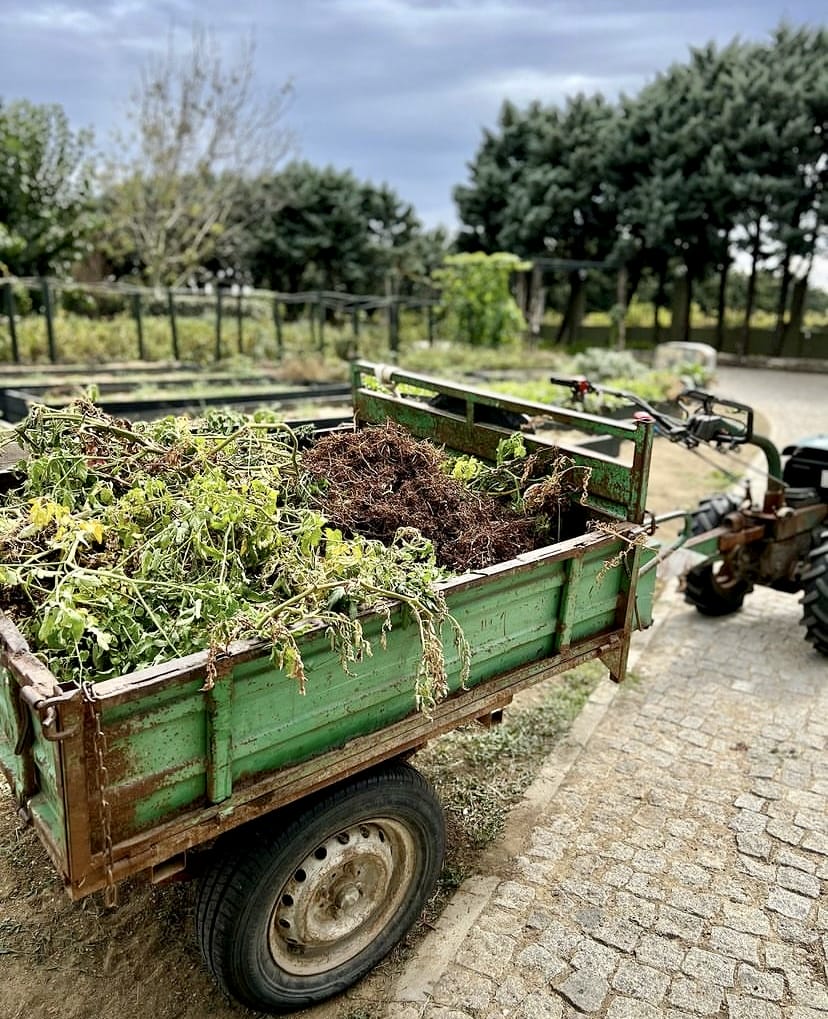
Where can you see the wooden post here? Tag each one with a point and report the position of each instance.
(320, 312)
(621, 302)
(394, 327)
(139, 325)
(431, 325)
(50, 324)
(277, 321)
(239, 325)
(173, 325)
(355, 322)
(218, 324)
(9, 296)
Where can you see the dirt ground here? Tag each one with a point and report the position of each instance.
(140, 959)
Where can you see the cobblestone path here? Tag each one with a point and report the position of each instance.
(681, 868)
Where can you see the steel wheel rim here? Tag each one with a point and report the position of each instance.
(341, 896)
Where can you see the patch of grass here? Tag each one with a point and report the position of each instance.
(481, 773)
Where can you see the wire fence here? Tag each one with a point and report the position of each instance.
(53, 320)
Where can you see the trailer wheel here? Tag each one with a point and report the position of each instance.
(815, 597)
(714, 592)
(304, 904)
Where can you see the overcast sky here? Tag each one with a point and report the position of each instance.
(396, 90)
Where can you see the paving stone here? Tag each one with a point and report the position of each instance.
(709, 966)
(645, 886)
(747, 801)
(621, 934)
(695, 902)
(662, 953)
(741, 1007)
(487, 953)
(747, 919)
(643, 982)
(632, 1008)
(690, 874)
(650, 862)
(461, 988)
(539, 1005)
(762, 871)
(789, 903)
(760, 985)
(559, 939)
(816, 842)
(811, 821)
(735, 944)
(618, 876)
(640, 911)
(536, 957)
(786, 858)
(804, 990)
(754, 845)
(678, 924)
(749, 821)
(698, 998)
(594, 957)
(513, 895)
(785, 832)
(512, 991)
(585, 990)
(438, 1012)
(797, 881)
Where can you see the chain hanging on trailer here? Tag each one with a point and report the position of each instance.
(104, 806)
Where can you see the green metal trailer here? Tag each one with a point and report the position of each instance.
(324, 843)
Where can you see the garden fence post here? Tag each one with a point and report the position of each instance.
(239, 325)
(139, 325)
(277, 321)
(394, 326)
(431, 325)
(320, 313)
(218, 324)
(9, 300)
(173, 325)
(48, 315)
(355, 321)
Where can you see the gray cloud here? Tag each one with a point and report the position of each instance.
(397, 90)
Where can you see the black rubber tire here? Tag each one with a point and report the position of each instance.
(711, 512)
(362, 857)
(815, 596)
(705, 588)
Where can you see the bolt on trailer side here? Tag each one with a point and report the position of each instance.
(130, 773)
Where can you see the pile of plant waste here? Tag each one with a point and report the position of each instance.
(124, 545)
(381, 479)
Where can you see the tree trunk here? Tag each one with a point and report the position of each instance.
(571, 323)
(537, 303)
(522, 294)
(721, 304)
(793, 330)
(659, 301)
(781, 305)
(621, 303)
(755, 251)
(680, 312)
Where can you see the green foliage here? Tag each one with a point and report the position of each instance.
(330, 231)
(724, 151)
(128, 546)
(475, 298)
(45, 204)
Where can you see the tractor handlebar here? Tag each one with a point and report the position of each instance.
(708, 418)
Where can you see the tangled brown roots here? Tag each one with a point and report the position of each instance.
(380, 479)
